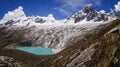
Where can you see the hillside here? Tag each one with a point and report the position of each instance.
(87, 38)
(98, 49)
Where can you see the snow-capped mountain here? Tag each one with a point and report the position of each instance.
(89, 13)
(17, 17)
(56, 34)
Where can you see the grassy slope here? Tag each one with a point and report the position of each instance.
(106, 50)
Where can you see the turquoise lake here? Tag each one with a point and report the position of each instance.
(37, 50)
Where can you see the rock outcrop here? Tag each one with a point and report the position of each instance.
(9, 62)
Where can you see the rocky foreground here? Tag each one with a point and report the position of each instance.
(9, 62)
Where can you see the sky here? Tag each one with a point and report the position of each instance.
(59, 8)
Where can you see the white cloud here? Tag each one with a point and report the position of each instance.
(63, 11)
(117, 6)
(68, 6)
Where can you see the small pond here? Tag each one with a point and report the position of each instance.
(37, 50)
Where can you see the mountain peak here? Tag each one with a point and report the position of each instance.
(88, 5)
(88, 8)
(89, 13)
(20, 8)
(14, 15)
(51, 17)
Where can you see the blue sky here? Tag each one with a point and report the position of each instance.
(59, 8)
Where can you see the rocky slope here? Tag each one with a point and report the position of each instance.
(100, 49)
(85, 39)
(9, 62)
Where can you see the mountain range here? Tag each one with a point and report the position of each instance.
(76, 40)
